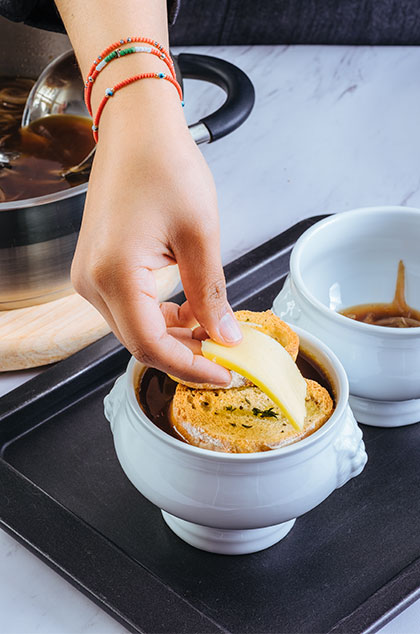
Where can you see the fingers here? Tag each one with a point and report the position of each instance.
(205, 288)
(159, 336)
(200, 334)
(178, 316)
(96, 300)
(142, 325)
(185, 336)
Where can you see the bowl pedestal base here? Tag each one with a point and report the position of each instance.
(385, 413)
(227, 541)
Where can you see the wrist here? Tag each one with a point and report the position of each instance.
(149, 100)
(93, 25)
(125, 67)
(145, 113)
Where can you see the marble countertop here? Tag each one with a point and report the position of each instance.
(333, 128)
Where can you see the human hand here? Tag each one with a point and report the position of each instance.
(152, 202)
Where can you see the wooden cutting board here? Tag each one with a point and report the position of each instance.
(43, 334)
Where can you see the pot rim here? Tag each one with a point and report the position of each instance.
(331, 315)
(36, 201)
(338, 415)
(63, 194)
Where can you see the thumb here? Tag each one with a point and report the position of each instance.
(204, 284)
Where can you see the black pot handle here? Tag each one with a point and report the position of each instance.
(237, 86)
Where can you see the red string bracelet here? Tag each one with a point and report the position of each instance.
(162, 53)
(110, 92)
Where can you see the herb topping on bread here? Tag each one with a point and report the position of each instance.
(243, 420)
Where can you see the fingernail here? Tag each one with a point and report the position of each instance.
(229, 329)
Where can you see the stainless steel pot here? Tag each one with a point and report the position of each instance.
(38, 236)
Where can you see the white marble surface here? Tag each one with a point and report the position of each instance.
(333, 128)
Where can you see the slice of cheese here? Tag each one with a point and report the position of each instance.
(266, 363)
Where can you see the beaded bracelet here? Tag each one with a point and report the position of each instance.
(110, 92)
(129, 40)
(111, 53)
(121, 53)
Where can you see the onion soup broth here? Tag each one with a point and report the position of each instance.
(395, 314)
(41, 152)
(156, 390)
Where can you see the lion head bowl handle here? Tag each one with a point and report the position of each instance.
(350, 450)
(113, 400)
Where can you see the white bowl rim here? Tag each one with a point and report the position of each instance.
(260, 456)
(372, 329)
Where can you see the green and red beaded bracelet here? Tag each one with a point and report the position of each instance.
(114, 52)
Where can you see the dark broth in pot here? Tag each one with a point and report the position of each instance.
(156, 390)
(42, 151)
(395, 314)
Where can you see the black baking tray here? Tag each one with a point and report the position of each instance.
(347, 566)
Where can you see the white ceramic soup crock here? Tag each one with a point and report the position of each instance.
(235, 503)
(348, 259)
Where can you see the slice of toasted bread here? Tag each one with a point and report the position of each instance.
(271, 325)
(243, 420)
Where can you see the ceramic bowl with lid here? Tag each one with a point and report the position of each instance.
(348, 259)
(236, 503)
